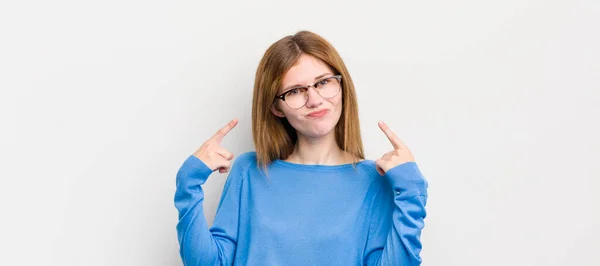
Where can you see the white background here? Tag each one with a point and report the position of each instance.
(102, 101)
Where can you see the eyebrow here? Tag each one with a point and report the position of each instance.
(300, 85)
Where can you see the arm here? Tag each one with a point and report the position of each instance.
(198, 244)
(396, 240)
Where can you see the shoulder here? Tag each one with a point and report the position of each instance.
(246, 157)
(370, 169)
(377, 183)
(243, 161)
(368, 165)
(239, 170)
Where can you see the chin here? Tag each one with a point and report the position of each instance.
(318, 133)
(318, 129)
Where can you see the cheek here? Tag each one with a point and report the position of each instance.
(337, 103)
(293, 116)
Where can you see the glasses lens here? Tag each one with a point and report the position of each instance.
(328, 87)
(296, 98)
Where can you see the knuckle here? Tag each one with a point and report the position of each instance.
(207, 145)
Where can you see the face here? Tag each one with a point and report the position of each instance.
(305, 120)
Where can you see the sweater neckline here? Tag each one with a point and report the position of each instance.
(318, 167)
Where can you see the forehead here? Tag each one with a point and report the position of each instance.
(304, 71)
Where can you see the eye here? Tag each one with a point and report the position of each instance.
(293, 91)
(323, 81)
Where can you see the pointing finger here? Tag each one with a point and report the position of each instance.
(224, 130)
(396, 142)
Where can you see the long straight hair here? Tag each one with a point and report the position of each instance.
(274, 137)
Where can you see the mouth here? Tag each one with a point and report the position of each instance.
(318, 114)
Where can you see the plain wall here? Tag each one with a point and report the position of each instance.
(102, 101)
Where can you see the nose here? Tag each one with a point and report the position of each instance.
(314, 99)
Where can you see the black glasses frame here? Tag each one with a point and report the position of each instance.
(315, 85)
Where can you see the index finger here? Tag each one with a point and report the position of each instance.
(396, 142)
(224, 130)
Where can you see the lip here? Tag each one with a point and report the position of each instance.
(319, 114)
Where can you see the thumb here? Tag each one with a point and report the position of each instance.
(222, 165)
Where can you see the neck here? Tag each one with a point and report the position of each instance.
(323, 150)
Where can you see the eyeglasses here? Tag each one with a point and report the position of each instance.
(297, 97)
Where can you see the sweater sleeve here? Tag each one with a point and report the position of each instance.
(199, 245)
(395, 239)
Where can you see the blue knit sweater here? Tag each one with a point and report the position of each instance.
(303, 214)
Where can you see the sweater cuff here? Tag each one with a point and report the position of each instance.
(196, 169)
(407, 177)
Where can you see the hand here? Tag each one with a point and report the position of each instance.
(212, 154)
(401, 154)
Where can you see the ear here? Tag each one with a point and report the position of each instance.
(276, 111)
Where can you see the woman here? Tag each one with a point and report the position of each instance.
(306, 196)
